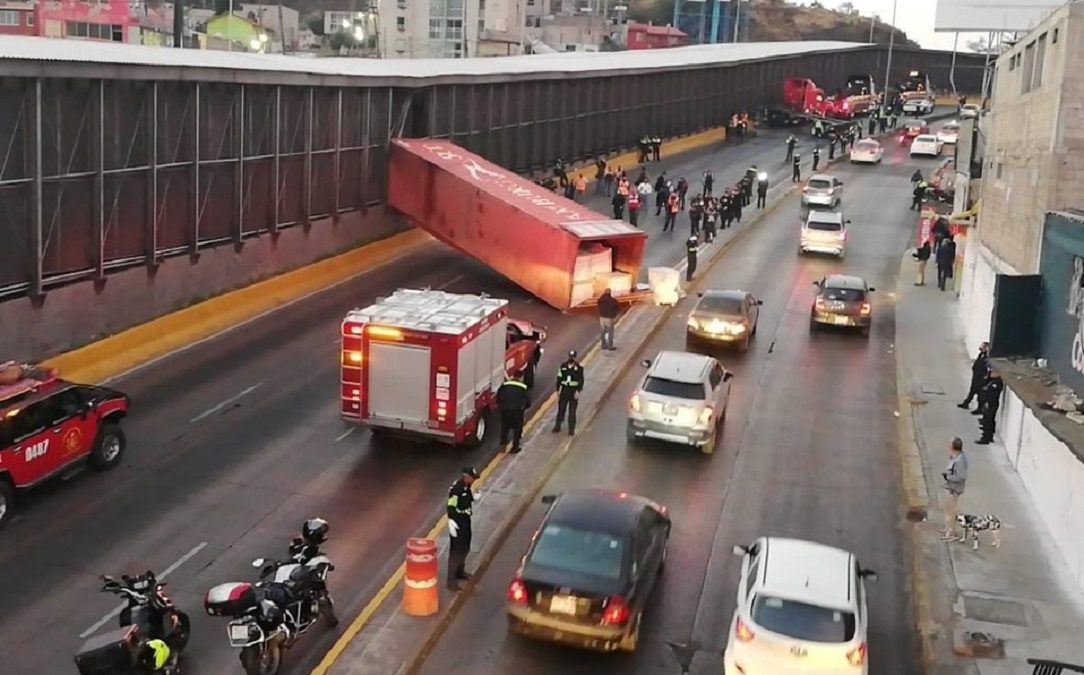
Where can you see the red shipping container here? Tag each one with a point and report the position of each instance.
(520, 229)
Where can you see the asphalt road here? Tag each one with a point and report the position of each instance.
(234, 442)
(808, 451)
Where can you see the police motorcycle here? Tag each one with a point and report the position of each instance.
(268, 617)
(149, 623)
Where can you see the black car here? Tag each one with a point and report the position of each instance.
(589, 570)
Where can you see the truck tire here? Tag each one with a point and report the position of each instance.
(108, 447)
(481, 428)
(7, 500)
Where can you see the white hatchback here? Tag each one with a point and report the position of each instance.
(926, 144)
(949, 133)
(801, 608)
(867, 151)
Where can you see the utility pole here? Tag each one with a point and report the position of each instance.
(178, 24)
(891, 44)
(872, 20)
(737, 19)
(229, 29)
(282, 29)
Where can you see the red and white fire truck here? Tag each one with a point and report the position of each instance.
(428, 363)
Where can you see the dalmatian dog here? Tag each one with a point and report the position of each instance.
(972, 525)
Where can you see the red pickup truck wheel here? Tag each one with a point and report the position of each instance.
(108, 447)
(7, 500)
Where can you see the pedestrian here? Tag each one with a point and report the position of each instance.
(569, 386)
(581, 187)
(642, 178)
(989, 403)
(608, 182)
(762, 189)
(921, 256)
(818, 129)
(673, 202)
(661, 193)
(722, 209)
(656, 148)
(816, 158)
(735, 206)
(645, 148)
(872, 125)
(946, 261)
(460, 507)
(955, 476)
(745, 190)
(883, 120)
(732, 128)
(917, 195)
(512, 402)
(796, 169)
(791, 143)
(696, 213)
(608, 309)
(916, 178)
(600, 175)
(618, 203)
(682, 190)
(831, 147)
(710, 218)
(570, 190)
(743, 127)
(690, 257)
(709, 182)
(980, 373)
(941, 232)
(752, 173)
(633, 204)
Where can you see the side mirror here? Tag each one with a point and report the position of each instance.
(728, 377)
(870, 575)
(871, 289)
(549, 499)
(646, 363)
(846, 222)
(258, 562)
(760, 302)
(816, 283)
(741, 551)
(700, 294)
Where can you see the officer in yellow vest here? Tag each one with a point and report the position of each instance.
(512, 401)
(154, 656)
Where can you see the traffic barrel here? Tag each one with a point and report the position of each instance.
(420, 596)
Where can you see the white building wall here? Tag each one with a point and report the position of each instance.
(977, 283)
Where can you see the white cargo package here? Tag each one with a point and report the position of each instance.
(619, 283)
(582, 291)
(665, 283)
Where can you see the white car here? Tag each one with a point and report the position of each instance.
(822, 190)
(926, 144)
(824, 232)
(801, 608)
(867, 151)
(949, 133)
(918, 106)
(970, 110)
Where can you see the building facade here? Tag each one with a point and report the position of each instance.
(17, 18)
(647, 36)
(1034, 161)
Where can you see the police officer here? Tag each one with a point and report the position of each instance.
(791, 143)
(816, 157)
(735, 206)
(696, 212)
(762, 190)
(460, 508)
(513, 401)
(796, 169)
(918, 194)
(569, 386)
(750, 179)
(154, 656)
(832, 140)
(690, 251)
(989, 402)
(725, 210)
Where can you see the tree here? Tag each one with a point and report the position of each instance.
(342, 39)
(847, 8)
(980, 46)
(222, 7)
(315, 23)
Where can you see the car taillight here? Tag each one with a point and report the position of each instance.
(616, 612)
(706, 414)
(866, 308)
(742, 632)
(517, 592)
(857, 656)
(634, 403)
(820, 303)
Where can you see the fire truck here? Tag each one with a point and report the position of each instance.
(915, 86)
(861, 94)
(427, 364)
(48, 426)
(804, 100)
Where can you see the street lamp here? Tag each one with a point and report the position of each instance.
(891, 43)
(872, 20)
(737, 18)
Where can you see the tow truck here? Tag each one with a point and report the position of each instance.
(916, 87)
(803, 101)
(861, 94)
(49, 426)
(427, 364)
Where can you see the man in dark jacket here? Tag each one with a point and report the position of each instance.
(980, 373)
(569, 386)
(661, 193)
(762, 191)
(989, 402)
(917, 194)
(608, 309)
(682, 190)
(696, 212)
(921, 256)
(816, 158)
(690, 254)
(513, 401)
(946, 261)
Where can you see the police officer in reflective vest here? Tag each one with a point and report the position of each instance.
(512, 401)
(154, 656)
(460, 508)
(569, 386)
(690, 254)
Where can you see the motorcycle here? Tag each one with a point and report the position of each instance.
(268, 617)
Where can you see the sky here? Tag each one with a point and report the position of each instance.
(914, 17)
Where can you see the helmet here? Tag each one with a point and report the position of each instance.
(572, 354)
(315, 530)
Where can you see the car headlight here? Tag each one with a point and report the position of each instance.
(693, 323)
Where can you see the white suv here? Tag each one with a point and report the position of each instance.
(801, 607)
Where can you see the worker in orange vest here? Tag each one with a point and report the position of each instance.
(634, 207)
(581, 186)
(673, 205)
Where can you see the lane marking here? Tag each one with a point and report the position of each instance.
(231, 400)
(345, 434)
(165, 573)
(449, 282)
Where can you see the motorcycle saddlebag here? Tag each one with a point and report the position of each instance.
(230, 599)
(112, 653)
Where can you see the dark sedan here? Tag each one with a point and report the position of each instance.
(589, 570)
(724, 317)
(842, 300)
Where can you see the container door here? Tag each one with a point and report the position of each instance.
(466, 376)
(399, 382)
(499, 347)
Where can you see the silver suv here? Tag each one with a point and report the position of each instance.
(681, 399)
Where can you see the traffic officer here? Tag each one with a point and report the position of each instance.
(762, 190)
(796, 169)
(735, 206)
(751, 177)
(832, 146)
(690, 251)
(696, 212)
(918, 194)
(513, 401)
(154, 656)
(726, 210)
(791, 143)
(989, 402)
(460, 508)
(816, 157)
(980, 372)
(569, 386)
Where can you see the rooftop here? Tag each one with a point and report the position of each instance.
(806, 571)
(680, 366)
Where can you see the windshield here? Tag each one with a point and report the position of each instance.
(925, 139)
(868, 146)
(568, 549)
(820, 183)
(914, 124)
(690, 390)
(824, 226)
(803, 622)
(844, 294)
(720, 304)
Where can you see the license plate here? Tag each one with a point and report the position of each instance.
(839, 320)
(563, 604)
(239, 633)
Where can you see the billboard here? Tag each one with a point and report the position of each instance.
(1011, 16)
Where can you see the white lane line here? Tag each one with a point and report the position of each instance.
(165, 573)
(448, 283)
(231, 400)
(345, 434)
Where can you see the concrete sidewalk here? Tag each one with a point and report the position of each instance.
(1020, 597)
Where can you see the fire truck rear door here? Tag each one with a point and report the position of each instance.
(399, 382)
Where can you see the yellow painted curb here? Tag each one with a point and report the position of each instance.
(670, 147)
(140, 344)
